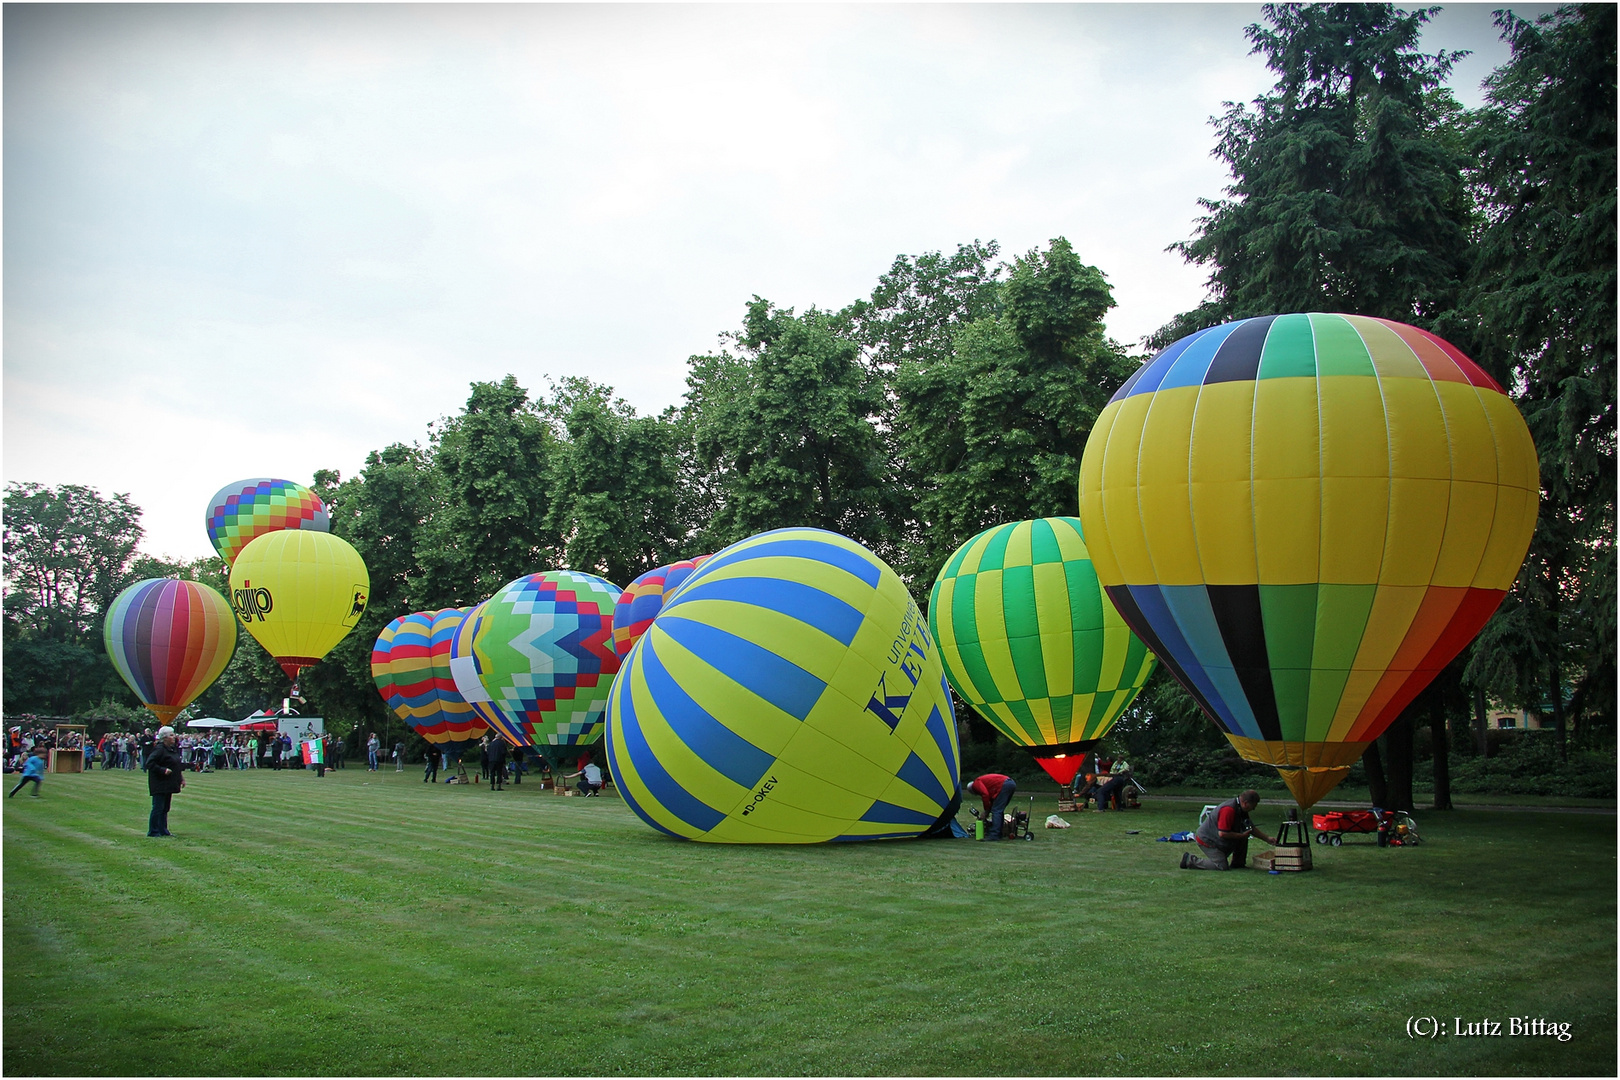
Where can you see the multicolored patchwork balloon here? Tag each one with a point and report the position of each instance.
(789, 693)
(1306, 517)
(241, 512)
(1029, 640)
(169, 640)
(411, 666)
(536, 660)
(299, 593)
(644, 598)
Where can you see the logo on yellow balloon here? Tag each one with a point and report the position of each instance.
(357, 604)
(251, 603)
(907, 655)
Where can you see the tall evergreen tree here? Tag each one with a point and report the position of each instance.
(1542, 295)
(1347, 190)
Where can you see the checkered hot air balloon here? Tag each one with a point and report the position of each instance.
(536, 659)
(643, 599)
(411, 666)
(1029, 639)
(789, 692)
(1306, 517)
(169, 639)
(241, 512)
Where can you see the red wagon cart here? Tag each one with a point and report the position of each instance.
(1394, 828)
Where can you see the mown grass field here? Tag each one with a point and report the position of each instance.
(371, 924)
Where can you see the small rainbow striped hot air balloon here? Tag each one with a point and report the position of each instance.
(169, 639)
(536, 659)
(411, 666)
(1306, 517)
(788, 693)
(1030, 640)
(644, 598)
(242, 511)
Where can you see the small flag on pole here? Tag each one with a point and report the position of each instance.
(312, 752)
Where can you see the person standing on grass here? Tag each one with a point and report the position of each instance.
(399, 756)
(33, 770)
(1225, 834)
(165, 775)
(996, 791)
(430, 767)
(337, 748)
(373, 745)
(497, 764)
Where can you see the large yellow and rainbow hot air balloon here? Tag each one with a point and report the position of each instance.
(1306, 517)
(299, 593)
(1029, 639)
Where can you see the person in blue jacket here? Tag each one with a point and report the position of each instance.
(33, 769)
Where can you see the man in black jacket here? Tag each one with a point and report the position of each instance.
(497, 764)
(164, 777)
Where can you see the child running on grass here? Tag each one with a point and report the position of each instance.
(33, 770)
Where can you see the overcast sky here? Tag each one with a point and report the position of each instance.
(262, 240)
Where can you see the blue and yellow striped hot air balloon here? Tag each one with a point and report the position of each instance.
(1030, 641)
(789, 692)
(1306, 517)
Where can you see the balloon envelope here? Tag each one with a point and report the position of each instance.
(411, 666)
(1029, 639)
(644, 598)
(536, 659)
(299, 593)
(1306, 517)
(247, 509)
(789, 693)
(170, 640)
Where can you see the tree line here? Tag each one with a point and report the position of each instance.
(959, 395)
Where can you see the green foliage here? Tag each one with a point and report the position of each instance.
(1530, 765)
(1347, 190)
(614, 484)
(1546, 180)
(68, 553)
(784, 429)
(494, 460)
(993, 430)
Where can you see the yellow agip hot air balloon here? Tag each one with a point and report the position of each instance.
(299, 593)
(1306, 517)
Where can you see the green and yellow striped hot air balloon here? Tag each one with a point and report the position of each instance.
(1030, 640)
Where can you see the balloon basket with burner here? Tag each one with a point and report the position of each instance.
(1293, 848)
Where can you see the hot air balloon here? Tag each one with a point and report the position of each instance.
(1029, 640)
(411, 667)
(244, 511)
(1306, 517)
(299, 593)
(644, 598)
(169, 639)
(536, 659)
(788, 693)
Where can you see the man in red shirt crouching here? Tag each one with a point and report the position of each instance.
(1225, 834)
(996, 791)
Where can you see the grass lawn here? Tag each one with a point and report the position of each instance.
(370, 924)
